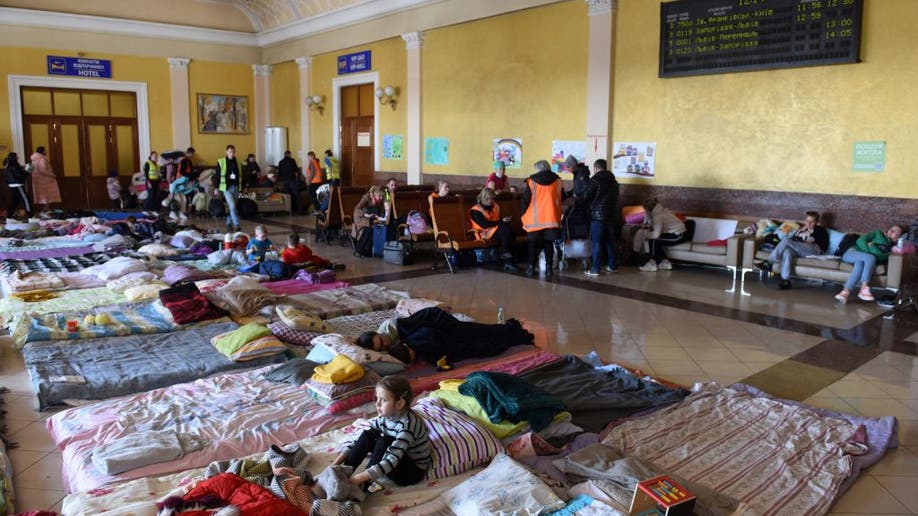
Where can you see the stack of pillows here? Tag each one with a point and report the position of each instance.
(248, 343)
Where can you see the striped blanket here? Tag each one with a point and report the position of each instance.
(778, 458)
(60, 264)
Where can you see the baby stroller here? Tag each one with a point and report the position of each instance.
(575, 236)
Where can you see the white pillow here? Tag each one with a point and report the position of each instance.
(159, 250)
(407, 307)
(133, 279)
(115, 268)
(300, 319)
(340, 346)
(503, 488)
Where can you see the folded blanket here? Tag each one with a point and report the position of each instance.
(143, 448)
(26, 281)
(340, 370)
(229, 343)
(504, 396)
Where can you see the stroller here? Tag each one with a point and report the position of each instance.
(575, 236)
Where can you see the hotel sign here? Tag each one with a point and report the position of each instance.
(80, 67)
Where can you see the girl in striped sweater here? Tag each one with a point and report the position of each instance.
(396, 440)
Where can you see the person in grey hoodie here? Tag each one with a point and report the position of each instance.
(661, 229)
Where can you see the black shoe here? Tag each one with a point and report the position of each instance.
(784, 285)
(509, 267)
(548, 273)
(765, 266)
(338, 267)
(530, 271)
(506, 256)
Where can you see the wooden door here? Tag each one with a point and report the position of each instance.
(357, 135)
(67, 161)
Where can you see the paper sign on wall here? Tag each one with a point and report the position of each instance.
(869, 157)
(634, 159)
(392, 145)
(508, 150)
(561, 149)
(363, 140)
(436, 151)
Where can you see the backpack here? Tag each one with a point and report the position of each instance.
(247, 208)
(417, 224)
(363, 247)
(217, 208)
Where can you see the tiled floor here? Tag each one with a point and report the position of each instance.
(678, 324)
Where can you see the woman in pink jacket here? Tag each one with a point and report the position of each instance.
(44, 183)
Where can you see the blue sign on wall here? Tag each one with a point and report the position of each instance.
(80, 67)
(356, 62)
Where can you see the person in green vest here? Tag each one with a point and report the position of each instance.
(332, 169)
(229, 177)
(154, 175)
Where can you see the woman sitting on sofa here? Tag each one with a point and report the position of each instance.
(870, 249)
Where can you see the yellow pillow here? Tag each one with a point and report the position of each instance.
(451, 385)
(340, 370)
(148, 291)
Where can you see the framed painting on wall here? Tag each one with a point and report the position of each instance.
(223, 114)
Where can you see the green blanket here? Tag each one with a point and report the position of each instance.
(504, 396)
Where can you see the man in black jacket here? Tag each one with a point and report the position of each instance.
(602, 198)
(288, 175)
(16, 176)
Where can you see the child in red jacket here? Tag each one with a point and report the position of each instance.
(297, 253)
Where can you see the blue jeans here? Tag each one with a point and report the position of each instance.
(864, 265)
(787, 249)
(602, 236)
(231, 195)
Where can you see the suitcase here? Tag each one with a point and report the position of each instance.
(396, 253)
(380, 237)
(579, 248)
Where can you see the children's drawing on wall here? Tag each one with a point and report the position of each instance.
(436, 151)
(634, 159)
(510, 151)
(561, 149)
(392, 145)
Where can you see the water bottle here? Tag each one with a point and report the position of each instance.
(500, 315)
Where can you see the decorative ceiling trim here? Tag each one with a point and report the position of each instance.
(82, 22)
(356, 13)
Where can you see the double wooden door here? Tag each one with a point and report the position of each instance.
(357, 138)
(82, 151)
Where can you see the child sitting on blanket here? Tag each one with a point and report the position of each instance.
(258, 246)
(396, 441)
(298, 253)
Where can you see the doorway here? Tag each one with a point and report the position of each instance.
(358, 104)
(87, 134)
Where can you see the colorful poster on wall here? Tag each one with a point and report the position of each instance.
(510, 151)
(392, 145)
(634, 159)
(561, 149)
(869, 157)
(436, 151)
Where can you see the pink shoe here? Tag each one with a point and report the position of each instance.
(842, 297)
(865, 294)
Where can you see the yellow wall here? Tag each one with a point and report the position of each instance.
(388, 59)
(286, 108)
(779, 130)
(520, 75)
(153, 71)
(226, 79)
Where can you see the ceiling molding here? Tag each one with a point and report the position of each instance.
(356, 13)
(100, 24)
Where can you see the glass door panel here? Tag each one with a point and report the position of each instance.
(124, 143)
(70, 149)
(97, 145)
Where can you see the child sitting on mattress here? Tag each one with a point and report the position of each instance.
(259, 246)
(297, 253)
(396, 440)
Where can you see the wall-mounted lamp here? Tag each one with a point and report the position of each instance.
(315, 102)
(388, 95)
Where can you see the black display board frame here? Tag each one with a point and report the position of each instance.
(700, 37)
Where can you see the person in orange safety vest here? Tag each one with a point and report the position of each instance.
(487, 224)
(541, 206)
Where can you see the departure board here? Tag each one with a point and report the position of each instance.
(717, 36)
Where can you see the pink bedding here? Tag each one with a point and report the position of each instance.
(425, 377)
(294, 286)
(238, 413)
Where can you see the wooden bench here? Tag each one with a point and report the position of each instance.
(350, 198)
(331, 218)
(449, 216)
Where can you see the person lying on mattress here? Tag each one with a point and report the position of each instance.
(396, 441)
(435, 336)
(299, 254)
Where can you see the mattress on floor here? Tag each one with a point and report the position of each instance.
(67, 301)
(239, 413)
(354, 300)
(776, 456)
(140, 496)
(95, 369)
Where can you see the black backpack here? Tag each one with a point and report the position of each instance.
(363, 247)
(247, 208)
(217, 208)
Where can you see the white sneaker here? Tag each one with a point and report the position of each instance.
(650, 266)
(665, 265)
